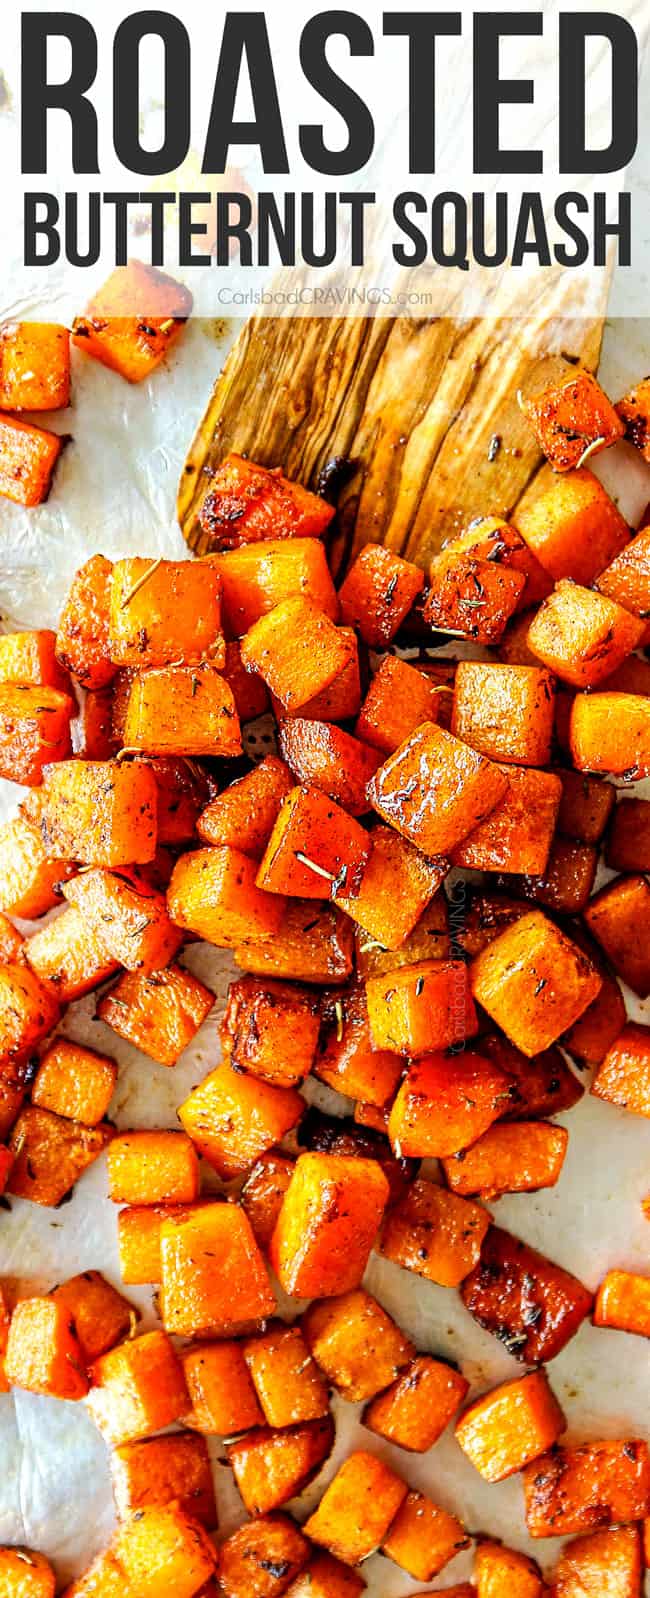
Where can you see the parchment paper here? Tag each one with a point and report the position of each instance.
(115, 492)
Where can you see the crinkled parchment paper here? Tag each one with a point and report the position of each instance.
(115, 492)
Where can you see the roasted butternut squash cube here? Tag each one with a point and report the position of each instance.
(315, 851)
(327, 1225)
(325, 1577)
(330, 759)
(138, 1240)
(164, 612)
(248, 504)
(138, 1388)
(420, 1008)
(591, 1037)
(43, 1354)
(477, 581)
(102, 813)
(335, 1134)
(28, 456)
(160, 1549)
(434, 1233)
(164, 1470)
(435, 790)
(314, 943)
(214, 893)
(34, 366)
(26, 1574)
(82, 638)
(518, 834)
(29, 657)
(611, 732)
(578, 1489)
(297, 650)
(50, 1154)
(28, 1011)
(153, 1168)
(505, 712)
(214, 1280)
(581, 635)
(617, 917)
(271, 1029)
(133, 320)
(34, 730)
(224, 1402)
(612, 1558)
(627, 577)
(261, 1558)
(100, 1316)
(182, 710)
(160, 1013)
(232, 1118)
(572, 420)
(399, 699)
(243, 816)
(340, 701)
(67, 958)
(532, 1305)
(346, 1059)
(510, 1426)
(623, 1302)
(271, 1467)
(499, 1571)
(516, 1157)
(127, 917)
(356, 1343)
(623, 1078)
(357, 1509)
(566, 883)
(256, 578)
(423, 1537)
(445, 1103)
(428, 940)
(585, 807)
(104, 1575)
(377, 594)
(571, 524)
(628, 842)
(396, 885)
(534, 982)
(416, 1409)
(75, 1082)
(263, 1193)
(182, 790)
(633, 410)
(288, 1384)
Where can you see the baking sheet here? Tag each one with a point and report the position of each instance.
(115, 492)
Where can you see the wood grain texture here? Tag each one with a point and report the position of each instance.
(413, 403)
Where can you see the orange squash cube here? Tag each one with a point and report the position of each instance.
(396, 885)
(82, 638)
(617, 917)
(297, 651)
(127, 917)
(263, 1193)
(612, 1558)
(512, 1425)
(345, 1135)
(534, 982)
(67, 958)
(232, 1118)
(399, 699)
(434, 1233)
(499, 1571)
(571, 525)
(182, 710)
(26, 1574)
(100, 1316)
(248, 504)
(315, 849)
(102, 813)
(243, 816)
(261, 1558)
(327, 1225)
(159, 1549)
(582, 636)
(288, 1384)
(75, 1082)
(346, 1060)
(257, 577)
(379, 591)
(435, 790)
(628, 841)
(29, 657)
(34, 366)
(428, 940)
(623, 1301)
(248, 690)
(532, 1305)
(34, 730)
(416, 1409)
(356, 1343)
(164, 1470)
(214, 892)
(271, 1467)
(325, 1577)
(224, 1402)
(152, 1168)
(214, 1280)
(566, 883)
(160, 1013)
(132, 320)
(445, 1103)
(182, 791)
(325, 756)
(271, 1029)
(28, 456)
(611, 732)
(28, 1011)
(423, 1537)
(505, 712)
(572, 420)
(138, 1240)
(314, 943)
(50, 1154)
(578, 1489)
(421, 1008)
(43, 1353)
(518, 834)
(623, 1078)
(585, 807)
(165, 612)
(517, 1157)
(138, 1388)
(340, 701)
(357, 1508)
(627, 577)
(592, 1035)
(477, 581)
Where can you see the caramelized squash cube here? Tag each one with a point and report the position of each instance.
(611, 1558)
(628, 842)
(399, 699)
(214, 1280)
(138, 1240)
(611, 732)
(159, 1013)
(325, 1577)
(288, 1384)
(396, 885)
(623, 1078)
(224, 1402)
(263, 1193)
(152, 1168)
(132, 320)
(332, 760)
(428, 940)
(34, 730)
(164, 612)
(26, 1574)
(346, 1060)
(50, 1154)
(435, 790)
(248, 690)
(356, 1343)
(505, 712)
(416, 1409)
(518, 834)
(327, 1225)
(617, 917)
(420, 1008)
(34, 366)
(138, 1388)
(182, 710)
(67, 958)
(28, 456)
(127, 918)
(28, 1011)
(510, 1426)
(315, 849)
(516, 1157)
(534, 982)
(434, 1233)
(29, 657)
(423, 1537)
(314, 943)
(592, 1035)
(581, 635)
(297, 650)
(256, 578)
(100, 812)
(578, 1489)
(532, 1305)
(572, 419)
(43, 1353)
(164, 1470)
(243, 816)
(567, 881)
(445, 1103)
(75, 1082)
(379, 591)
(160, 1549)
(501, 1571)
(477, 581)
(340, 701)
(100, 1316)
(248, 504)
(82, 638)
(571, 524)
(261, 1558)
(271, 1467)
(271, 1029)
(626, 579)
(585, 807)
(357, 1508)
(232, 1118)
(214, 893)
(623, 1302)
